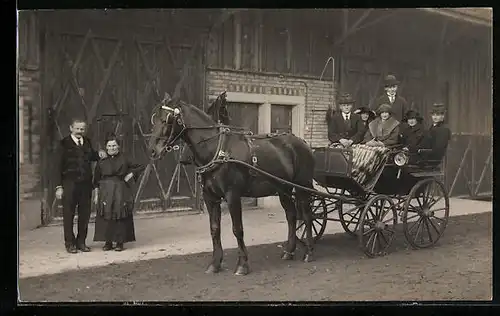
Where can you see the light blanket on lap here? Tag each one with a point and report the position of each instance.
(366, 162)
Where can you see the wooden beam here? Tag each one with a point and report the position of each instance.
(377, 20)
(237, 41)
(345, 19)
(353, 28)
(289, 46)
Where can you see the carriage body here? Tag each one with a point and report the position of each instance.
(372, 205)
(334, 169)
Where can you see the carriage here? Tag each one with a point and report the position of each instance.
(367, 189)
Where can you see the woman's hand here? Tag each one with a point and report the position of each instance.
(102, 154)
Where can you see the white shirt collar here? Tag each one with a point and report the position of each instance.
(346, 115)
(76, 140)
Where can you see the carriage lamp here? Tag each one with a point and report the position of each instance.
(401, 158)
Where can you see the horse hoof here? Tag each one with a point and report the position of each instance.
(308, 258)
(212, 269)
(287, 256)
(242, 270)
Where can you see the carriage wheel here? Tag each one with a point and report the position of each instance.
(319, 214)
(349, 215)
(425, 213)
(377, 226)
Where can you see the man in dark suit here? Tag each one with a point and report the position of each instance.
(74, 183)
(345, 127)
(391, 97)
(438, 135)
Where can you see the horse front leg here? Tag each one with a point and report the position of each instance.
(234, 205)
(214, 214)
(304, 206)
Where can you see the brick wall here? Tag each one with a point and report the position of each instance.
(318, 94)
(29, 122)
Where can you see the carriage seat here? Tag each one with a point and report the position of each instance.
(420, 161)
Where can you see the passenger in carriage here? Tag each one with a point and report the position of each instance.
(345, 127)
(383, 130)
(367, 116)
(412, 131)
(438, 135)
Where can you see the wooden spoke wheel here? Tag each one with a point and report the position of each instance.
(377, 225)
(425, 214)
(349, 215)
(319, 218)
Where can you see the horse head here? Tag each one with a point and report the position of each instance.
(170, 121)
(218, 109)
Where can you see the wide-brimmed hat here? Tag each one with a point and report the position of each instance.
(412, 114)
(364, 109)
(345, 98)
(438, 108)
(390, 80)
(384, 108)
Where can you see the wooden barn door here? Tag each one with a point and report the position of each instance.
(92, 73)
(85, 79)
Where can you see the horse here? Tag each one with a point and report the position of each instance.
(234, 164)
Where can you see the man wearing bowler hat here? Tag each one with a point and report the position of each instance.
(345, 127)
(391, 97)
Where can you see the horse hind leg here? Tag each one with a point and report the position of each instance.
(304, 207)
(234, 205)
(291, 218)
(214, 214)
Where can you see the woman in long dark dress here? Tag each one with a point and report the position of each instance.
(112, 181)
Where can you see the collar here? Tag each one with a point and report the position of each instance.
(346, 114)
(76, 140)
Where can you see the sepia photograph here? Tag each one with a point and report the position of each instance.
(269, 155)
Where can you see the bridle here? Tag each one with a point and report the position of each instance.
(219, 156)
(171, 139)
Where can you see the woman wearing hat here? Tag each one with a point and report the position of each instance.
(438, 135)
(412, 131)
(392, 98)
(367, 116)
(383, 130)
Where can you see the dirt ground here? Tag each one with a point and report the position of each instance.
(458, 268)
